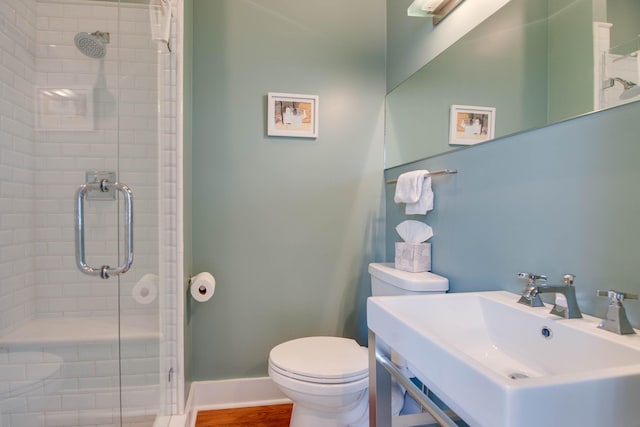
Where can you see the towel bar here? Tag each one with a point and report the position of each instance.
(434, 173)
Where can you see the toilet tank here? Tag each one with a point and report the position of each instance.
(387, 280)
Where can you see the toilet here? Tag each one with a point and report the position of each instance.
(327, 378)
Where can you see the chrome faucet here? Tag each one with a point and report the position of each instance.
(530, 295)
(616, 320)
(572, 310)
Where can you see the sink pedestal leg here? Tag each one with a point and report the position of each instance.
(379, 388)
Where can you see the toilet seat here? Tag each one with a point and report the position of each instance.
(321, 360)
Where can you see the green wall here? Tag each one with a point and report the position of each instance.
(560, 199)
(570, 50)
(625, 15)
(286, 225)
(413, 42)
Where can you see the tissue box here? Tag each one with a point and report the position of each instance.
(413, 257)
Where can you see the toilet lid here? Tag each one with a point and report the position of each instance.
(329, 359)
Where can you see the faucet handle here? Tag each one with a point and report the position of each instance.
(616, 297)
(530, 295)
(616, 320)
(568, 279)
(532, 277)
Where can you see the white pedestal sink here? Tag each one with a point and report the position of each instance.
(502, 364)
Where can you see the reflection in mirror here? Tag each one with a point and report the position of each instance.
(435, 9)
(535, 62)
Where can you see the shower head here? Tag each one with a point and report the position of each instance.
(92, 45)
(631, 89)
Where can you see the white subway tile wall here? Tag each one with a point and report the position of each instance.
(17, 161)
(77, 384)
(124, 139)
(132, 132)
(610, 63)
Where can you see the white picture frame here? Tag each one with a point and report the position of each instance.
(292, 114)
(469, 125)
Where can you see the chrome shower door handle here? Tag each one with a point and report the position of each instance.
(104, 186)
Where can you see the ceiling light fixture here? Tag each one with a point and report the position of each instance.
(424, 8)
(436, 9)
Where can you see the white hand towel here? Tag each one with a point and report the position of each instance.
(409, 187)
(414, 189)
(424, 203)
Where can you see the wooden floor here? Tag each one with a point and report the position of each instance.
(256, 416)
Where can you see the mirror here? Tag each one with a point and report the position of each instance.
(535, 62)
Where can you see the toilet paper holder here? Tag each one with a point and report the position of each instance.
(202, 286)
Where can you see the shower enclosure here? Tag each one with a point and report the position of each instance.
(621, 73)
(88, 202)
(617, 67)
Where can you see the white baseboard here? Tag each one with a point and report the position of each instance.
(171, 421)
(238, 393)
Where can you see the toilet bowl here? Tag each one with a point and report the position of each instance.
(327, 378)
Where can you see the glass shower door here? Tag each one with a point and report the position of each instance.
(83, 107)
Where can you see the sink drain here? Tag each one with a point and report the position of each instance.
(517, 375)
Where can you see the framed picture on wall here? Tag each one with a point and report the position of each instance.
(291, 114)
(470, 125)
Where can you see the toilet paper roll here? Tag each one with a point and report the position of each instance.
(203, 286)
(146, 290)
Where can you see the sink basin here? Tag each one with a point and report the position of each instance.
(499, 363)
